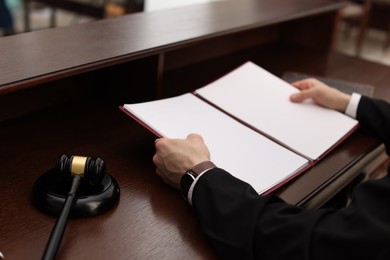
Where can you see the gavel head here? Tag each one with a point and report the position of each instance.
(90, 170)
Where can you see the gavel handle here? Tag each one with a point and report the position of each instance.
(59, 228)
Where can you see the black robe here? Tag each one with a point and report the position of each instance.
(240, 224)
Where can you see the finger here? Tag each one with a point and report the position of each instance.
(194, 137)
(159, 140)
(159, 143)
(302, 84)
(156, 160)
(301, 96)
(158, 172)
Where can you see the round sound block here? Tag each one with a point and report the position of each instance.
(50, 191)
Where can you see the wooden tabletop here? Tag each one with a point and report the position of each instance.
(41, 56)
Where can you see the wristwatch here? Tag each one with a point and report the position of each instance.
(190, 176)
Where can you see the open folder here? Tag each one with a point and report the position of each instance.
(251, 127)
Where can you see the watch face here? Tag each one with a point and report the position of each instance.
(186, 182)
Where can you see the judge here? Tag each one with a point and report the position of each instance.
(241, 224)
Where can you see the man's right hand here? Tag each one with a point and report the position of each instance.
(176, 156)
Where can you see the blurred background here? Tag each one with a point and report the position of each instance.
(363, 31)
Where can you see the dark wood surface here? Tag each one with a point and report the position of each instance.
(41, 56)
(150, 221)
(52, 102)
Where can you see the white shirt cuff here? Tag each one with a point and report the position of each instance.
(353, 105)
(191, 190)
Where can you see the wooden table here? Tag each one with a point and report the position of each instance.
(60, 90)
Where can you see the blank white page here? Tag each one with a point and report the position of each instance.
(261, 99)
(234, 147)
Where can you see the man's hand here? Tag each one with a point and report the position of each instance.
(321, 93)
(175, 156)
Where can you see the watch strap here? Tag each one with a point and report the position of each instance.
(201, 168)
(190, 176)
